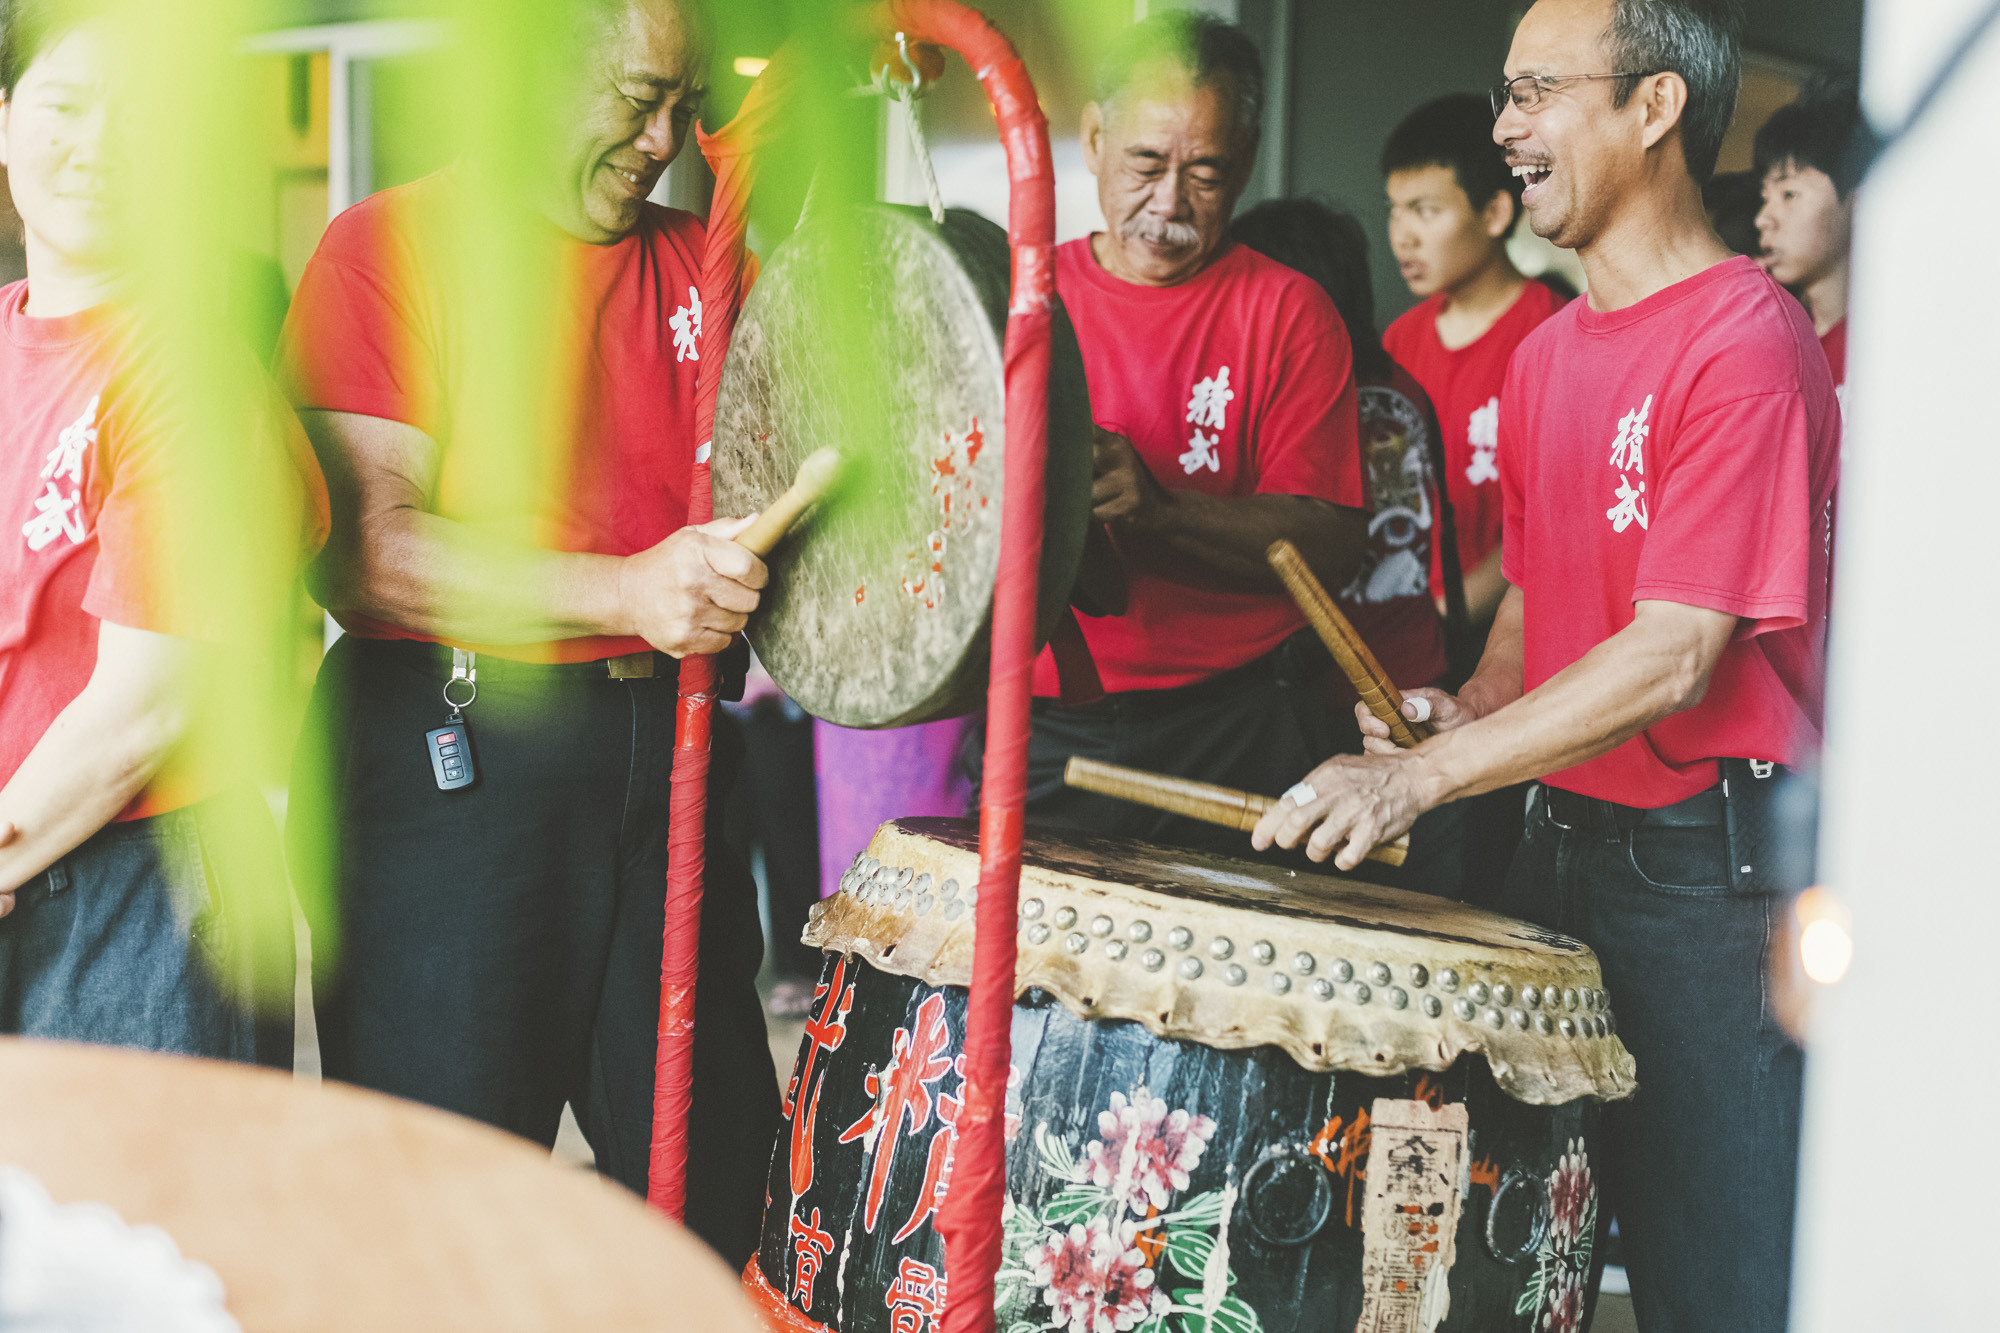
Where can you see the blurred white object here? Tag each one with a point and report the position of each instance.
(78, 1268)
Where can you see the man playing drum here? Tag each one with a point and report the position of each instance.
(1668, 452)
(1222, 383)
(509, 533)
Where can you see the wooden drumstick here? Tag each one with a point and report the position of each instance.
(1363, 672)
(1197, 800)
(814, 478)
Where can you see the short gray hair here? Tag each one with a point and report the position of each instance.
(1700, 40)
(1204, 46)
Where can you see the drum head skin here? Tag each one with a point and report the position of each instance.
(876, 332)
(1232, 954)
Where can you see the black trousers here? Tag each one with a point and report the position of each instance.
(1261, 728)
(495, 950)
(1700, 1165)
(777, 809)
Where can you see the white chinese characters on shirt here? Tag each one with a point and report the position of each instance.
(59, 513)
(1482, 435)
(1208, 406)
(1628, 455)
(686, 324)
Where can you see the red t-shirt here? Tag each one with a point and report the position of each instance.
(1388, 601)
(1237, 382)
(90, 441)
(393, 319)
(1683, 449)
(1464, 386)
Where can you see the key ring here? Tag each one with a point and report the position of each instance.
(465, 667)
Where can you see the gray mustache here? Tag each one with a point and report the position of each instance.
(1160, 231)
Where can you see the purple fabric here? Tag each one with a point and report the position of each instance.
(866, 777)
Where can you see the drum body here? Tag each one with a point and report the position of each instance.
(877, 332)
(1170, 1172)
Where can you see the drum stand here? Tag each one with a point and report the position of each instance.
(970, 1219)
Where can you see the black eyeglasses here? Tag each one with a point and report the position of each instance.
(1527, 91)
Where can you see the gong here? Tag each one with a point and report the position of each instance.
(879, 333)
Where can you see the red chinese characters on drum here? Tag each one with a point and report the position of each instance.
(903, 1092)
(825, 1031)
(918, 1091)
(915, 1298)
(810, 1247)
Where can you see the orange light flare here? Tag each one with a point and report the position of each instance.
(1814, 949)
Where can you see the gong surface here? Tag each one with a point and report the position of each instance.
(879, 333)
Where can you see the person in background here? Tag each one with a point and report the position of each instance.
(141, 890)
(1388, 600)
(1452, 205)
(1222, 384)
(501, 904)
(1669, 449)
(1733, 199)
(1808, 167)
(774, 810)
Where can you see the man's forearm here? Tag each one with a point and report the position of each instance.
(97, 755)
(1218, 542)
(444, 578)
(1657, 666)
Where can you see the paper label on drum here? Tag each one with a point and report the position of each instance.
(1409, 1219)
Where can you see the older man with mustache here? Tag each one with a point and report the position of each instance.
(1222, 384)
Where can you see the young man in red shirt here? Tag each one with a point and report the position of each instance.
(1452, 205)
(1807, 163)
(484, 789)
(1669, 446)
(142, 559)
(1223, 387)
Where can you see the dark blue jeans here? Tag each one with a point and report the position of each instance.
(142, 937)
(1702, 1163)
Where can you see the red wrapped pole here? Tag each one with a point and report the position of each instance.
(729, 154)
(970, 1218)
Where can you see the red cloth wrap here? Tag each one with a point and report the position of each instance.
(729, 154)
(970, 1218)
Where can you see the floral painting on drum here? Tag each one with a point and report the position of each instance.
(1562, 1265)
(1098, 1256)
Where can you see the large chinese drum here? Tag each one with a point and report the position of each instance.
(877, 332)
(1242, 1098)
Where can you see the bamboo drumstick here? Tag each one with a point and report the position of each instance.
(815, 475)
(1372, 683)
(1197, 800)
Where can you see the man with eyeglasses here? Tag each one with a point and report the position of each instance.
(1669, 447)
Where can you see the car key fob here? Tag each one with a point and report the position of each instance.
(451, 756)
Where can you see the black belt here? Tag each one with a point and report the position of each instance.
(436, 657)
(1704, 809)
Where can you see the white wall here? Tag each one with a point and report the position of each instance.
(1898, 1227)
